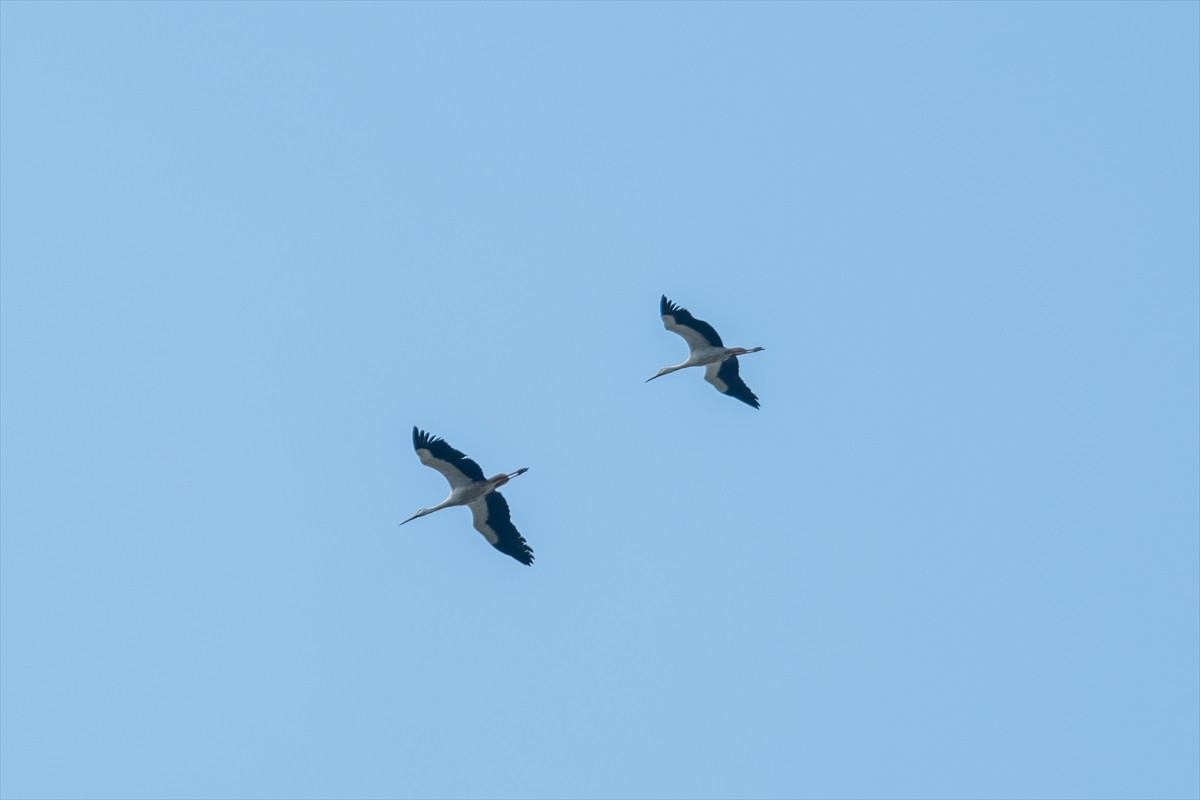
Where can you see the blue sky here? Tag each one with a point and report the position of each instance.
(245, 248)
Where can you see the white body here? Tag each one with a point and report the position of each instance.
(468, 487)
(705, 349)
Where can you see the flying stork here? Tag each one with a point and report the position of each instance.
(468, 487)
(720, 362)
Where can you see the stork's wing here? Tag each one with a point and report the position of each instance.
(724, 375)
(697, 332)
(434, 452)
(494, 522)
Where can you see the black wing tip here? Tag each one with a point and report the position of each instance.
(748, 398)
(735, 387)
(509, 540)
(518, 550)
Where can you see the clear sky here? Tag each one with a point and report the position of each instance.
(245, 248)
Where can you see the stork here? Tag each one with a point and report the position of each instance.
(720, 362)
(468, 487)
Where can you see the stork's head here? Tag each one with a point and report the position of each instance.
(420, 513)
(661, 372)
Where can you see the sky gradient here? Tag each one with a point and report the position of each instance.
(245, 248)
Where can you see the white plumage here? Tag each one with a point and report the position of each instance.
(468, 487)
(708, 351)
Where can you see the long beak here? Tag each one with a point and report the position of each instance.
(410, 519)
